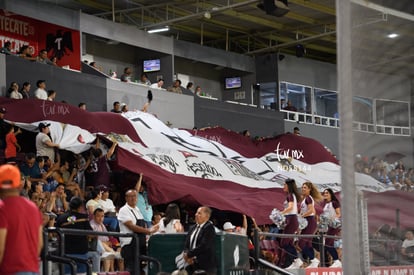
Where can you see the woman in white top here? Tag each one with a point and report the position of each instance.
(307, 210)
(171, 222)
(93, 203)
(290, 212)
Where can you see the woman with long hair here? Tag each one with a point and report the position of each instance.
(290, 212)
(332, 209)
(146, 105)
(171, 222)
(307, 210)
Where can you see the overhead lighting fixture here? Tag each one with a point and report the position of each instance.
(274, 7)
(163, 29)
(392, 35)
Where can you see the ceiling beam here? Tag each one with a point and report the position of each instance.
(200, 14)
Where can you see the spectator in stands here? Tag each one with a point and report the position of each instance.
(159, 84)
(43, 59)
(146, 105)
(198, 91)
(290, 107)
(109, 209)
(25, 91)
(95, 66)
(296, 131)
(126, 76)
(40, 92)
(230, 228)
(44, 144)
(13, 91)
(143, 204)
(58, 203)
(21, 228)
(51, 95)
(124, 107)
(131, 220)
(54, 60)
(30, 168)
(144, 79)
(99, 172)
(76, 246)
(282, 104)
(407, 247)
(117, 107)
(27, 188)
(176, 87)
(171, 222)
(290, 212)
(108, 253)
(82, 106)
(156, 218)
(11, 145)
(246, 133)
(94, 202)
(6, 48)
(26, 53)
(3, 128)
(190, 87)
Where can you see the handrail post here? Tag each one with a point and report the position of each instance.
(256, 246)
(136, 254)
(45, 252)
(322, 248)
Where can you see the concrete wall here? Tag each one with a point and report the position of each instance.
(167, 106)
(237, 117)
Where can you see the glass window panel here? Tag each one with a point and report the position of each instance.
(299, 96)
(392, 113)
(363, 109)
(326, 103)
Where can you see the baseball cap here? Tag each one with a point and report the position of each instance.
(228, 225)
(9, 177)
(43, 125)
(3, 110)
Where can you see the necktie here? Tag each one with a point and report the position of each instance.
(194, 237)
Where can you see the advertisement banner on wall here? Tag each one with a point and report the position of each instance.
(60, 42)
(375, 270)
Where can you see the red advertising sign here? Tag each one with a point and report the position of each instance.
(60, 42)
(375, 270)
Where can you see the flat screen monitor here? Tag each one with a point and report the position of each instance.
(232, 82)
(152, 65)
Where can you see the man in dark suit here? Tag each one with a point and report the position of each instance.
(199, 250)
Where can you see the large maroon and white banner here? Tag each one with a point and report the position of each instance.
(178, 165)
(64, 43)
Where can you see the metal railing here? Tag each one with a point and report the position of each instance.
(256, 242)
(63, 258)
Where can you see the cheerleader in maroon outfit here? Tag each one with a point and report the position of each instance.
(307, 210)
(290, 212)
(332, 209)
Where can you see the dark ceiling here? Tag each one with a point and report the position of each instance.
(240, 26)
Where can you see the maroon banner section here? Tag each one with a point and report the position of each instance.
(298, 147)
(60, 42)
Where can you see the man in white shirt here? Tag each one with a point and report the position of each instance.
(131, 221)
(159, 84)
(40, 92)
(44, 144)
